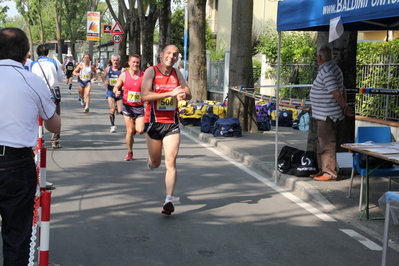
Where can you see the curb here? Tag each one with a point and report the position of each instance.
(290, 183)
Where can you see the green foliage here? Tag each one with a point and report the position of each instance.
(383, 75)
(296, 47)
(216, 54)
(256, 70)
(210, 38)
(177, 29)
(3, 13)
(377, 68)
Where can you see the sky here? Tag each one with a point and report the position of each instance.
(12, 11)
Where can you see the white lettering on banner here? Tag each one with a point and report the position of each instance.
(347, 5)
(383, 2)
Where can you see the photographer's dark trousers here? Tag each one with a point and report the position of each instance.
(18, 181)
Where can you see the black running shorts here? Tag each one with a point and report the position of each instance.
(158, 131)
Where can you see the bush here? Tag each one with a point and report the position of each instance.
(256, 70)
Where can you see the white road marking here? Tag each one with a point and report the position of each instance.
(265, 181)
(366, 242)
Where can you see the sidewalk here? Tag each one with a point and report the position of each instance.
(257, 151)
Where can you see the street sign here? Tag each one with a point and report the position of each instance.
(117, 28)
(107, 28)
(116, 38)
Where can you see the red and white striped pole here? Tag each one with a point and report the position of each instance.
(45, 200)
(43, 170)
(40, 134)
(45, 228)
(42, 153)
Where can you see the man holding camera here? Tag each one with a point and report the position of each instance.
(51, 73)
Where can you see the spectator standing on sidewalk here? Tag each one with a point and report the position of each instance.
(329, 107)
(110, 78)
(86, 73)
(18, 134)
(49, 70)
(163, 86)
(132, 104)
(183, 71)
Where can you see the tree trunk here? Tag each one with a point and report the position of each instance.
(147, 25)
(344, 51)
(32, 54)
(134, 40)
(60, 42)
(164, 24)
(240, 72)
(125, 26)
(197, 56)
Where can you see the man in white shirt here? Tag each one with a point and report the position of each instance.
(18, 134)
(51, 73)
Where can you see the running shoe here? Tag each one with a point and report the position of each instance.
(49, 186)
(56, 146)
(82, 102)
(79, 99)
(86, 110)
(149, 165)
(168, 208)
(113, 129)
(69, 92)
(129, 157)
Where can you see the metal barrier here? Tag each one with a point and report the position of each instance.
(288, 102)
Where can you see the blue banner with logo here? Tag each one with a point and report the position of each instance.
(315, 15)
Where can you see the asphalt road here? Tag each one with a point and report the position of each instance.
(106, 211)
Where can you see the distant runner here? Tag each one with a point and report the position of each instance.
(85, 73)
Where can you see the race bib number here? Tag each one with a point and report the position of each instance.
(167, 104)
(69, 67)
(112, 82)
(134, 97)
(85, 76)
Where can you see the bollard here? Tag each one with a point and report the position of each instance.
(44, 228)
(43, 170)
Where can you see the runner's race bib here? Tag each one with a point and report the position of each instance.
(167, 104)
(134, 97)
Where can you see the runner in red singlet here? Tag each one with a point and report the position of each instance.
(163, 86)
(132, 104)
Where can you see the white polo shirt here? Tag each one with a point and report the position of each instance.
(23, 96)
(51, 69)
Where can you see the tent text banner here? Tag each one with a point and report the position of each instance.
(356, 15)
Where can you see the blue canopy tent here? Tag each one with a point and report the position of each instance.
(315, 15)
(356, 15)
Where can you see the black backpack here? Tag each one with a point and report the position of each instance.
(285, 118)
